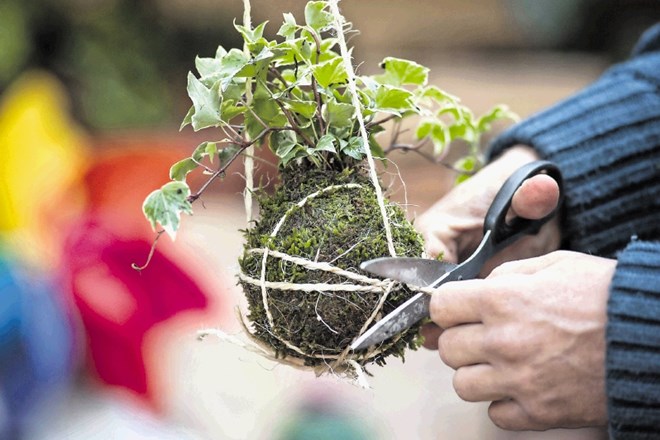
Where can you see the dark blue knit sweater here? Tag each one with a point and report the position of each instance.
(606, 140)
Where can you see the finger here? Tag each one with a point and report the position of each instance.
(457, 303)
(431, 333)
(508, 414)
(479, 383)
(536, 197)
(462, 345)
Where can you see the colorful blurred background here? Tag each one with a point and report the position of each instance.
(91, 96)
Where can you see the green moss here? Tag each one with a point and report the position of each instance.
(342, 227)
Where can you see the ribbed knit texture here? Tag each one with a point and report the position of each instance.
(606, 140)
(633, 341)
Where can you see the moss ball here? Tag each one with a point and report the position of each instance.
(341, 225)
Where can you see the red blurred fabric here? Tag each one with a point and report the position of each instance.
(118, 304)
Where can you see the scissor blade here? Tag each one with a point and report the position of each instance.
(420, 272)
(402, 318)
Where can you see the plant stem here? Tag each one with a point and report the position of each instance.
(381, 121)
(151, 253)
(294, 124)
(244, 146)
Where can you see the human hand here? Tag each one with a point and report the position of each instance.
(453, 226)
(531, 339)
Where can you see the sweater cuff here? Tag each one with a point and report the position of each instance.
(633, 343)
(605, 140)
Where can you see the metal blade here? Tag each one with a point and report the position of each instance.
(404, 317)
(420, 272)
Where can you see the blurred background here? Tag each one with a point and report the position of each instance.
(92, 93)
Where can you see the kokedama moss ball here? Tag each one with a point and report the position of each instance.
(338, 222)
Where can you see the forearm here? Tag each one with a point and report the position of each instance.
(606, 140)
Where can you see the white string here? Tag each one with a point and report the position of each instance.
(348, 65)
(248, 160)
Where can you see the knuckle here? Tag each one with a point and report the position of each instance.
(501, 419)
(463, 387)
(438, 310)
(445, 348)
(504, 343)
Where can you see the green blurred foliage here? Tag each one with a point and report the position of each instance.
(123, 61)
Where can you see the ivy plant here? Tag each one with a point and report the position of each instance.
(291, 94)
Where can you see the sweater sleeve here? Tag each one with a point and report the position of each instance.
(606, 140)
(633, 344)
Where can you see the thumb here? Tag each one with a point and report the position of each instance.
(536, 197)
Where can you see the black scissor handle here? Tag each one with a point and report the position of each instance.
(503, 233)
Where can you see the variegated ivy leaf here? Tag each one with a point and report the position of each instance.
(400, 72)
(330, 72)
(165, 205)
(338, 114)
(180, 170)
(206, 104)
(496, 113)
(326, 143)
(289, 27)
(205, 149)
(353, 148)
(394, 100)
(316, 15)
(282, 143)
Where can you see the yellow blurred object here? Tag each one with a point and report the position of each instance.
(42, 157)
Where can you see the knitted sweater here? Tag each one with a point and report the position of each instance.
(606, 140)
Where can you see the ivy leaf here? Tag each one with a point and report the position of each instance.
(251, 35)
(354, 148)
(207, 67)
(376, 150)
(264, 109)
(165, 205)
(306, 109)
(206, 104)
(316, 16)
(495, 114)
(289, 27)
(435, 131)
(205, 149)
(180, 170)
(338, 114)
(282, 142)
(188, 118)
(466, 166)
(296, 152)
(227, 153)
(464, 131)
(392, 99)
(229, 110)
(294, 51)
(438, 95)
(330, 72)
(326, 49)
(326, 143)
(399, 72)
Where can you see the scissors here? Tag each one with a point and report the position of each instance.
(424, 272)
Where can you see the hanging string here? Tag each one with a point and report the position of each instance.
(249, 153)
(339, 24)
